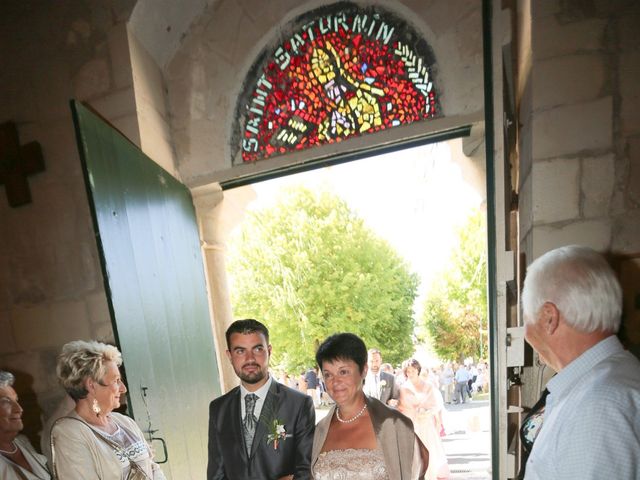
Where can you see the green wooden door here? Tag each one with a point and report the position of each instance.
(154, 277)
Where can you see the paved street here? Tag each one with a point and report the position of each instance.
(468, 440)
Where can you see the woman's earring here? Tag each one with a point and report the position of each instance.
(96, 407)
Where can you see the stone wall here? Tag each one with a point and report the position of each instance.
(580, 130)
(584, 125)
(51, 287)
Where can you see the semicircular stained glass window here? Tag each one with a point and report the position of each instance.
(342, 70)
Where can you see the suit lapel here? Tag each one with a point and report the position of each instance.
(234, 421)
(267, 414)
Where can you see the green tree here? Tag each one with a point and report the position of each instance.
(309, 267)
(455, 313)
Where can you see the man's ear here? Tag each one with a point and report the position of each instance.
(228, 354)
(550, 317)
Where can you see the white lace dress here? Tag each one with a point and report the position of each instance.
(350, 464)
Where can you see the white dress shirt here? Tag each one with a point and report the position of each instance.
(261, 393)
(591, 428)
(372, 384)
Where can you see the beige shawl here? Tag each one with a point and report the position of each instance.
(394, 433)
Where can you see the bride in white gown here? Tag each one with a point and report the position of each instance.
(360, 438)
(419, 401)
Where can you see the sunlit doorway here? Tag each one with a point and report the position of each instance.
(427, 206)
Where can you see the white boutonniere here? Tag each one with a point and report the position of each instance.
(383, 383)
(277, 433)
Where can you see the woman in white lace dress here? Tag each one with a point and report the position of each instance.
(360, 438)
(419, 401)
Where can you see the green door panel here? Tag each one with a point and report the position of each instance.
(154, 277)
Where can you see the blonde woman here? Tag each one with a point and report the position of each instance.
(92, 442)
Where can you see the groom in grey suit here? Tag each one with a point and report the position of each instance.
(261, 429)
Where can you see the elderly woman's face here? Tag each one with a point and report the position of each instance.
(343, 380)
(109, 388)
(10, 411)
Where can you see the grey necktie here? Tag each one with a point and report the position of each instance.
(250, 420)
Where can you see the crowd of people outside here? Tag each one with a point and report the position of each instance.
(456, 382)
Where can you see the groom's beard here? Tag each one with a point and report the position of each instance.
(251, 377)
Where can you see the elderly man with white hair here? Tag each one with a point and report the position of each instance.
(572, 305)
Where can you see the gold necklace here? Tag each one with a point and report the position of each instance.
(352, 419)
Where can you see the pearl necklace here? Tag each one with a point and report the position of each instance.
(15, 449)
(352, 419)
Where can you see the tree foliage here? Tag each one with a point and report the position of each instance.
(455, 312)
(309, 267)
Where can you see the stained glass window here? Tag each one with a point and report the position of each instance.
(340, 71)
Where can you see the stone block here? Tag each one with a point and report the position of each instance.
(555, 190)
(34, 370)
(541, 9)
(628, 32)
(147, 77)
(57, 213)
(58, 142)
(155, 137)
(626, 233)
(97, 308)
(23, 321)
(116, 104)
(227, 32)
(612, 7)
(6, 299)
(92, 80)
(31, 274)
(45, 326)
(567, 79)
(76, 269)
(573, 129)
(633, 179)
(629, 92)
(53, 87)
(524, 206)
(128, 126)
(598, 179)
(7, 342)
(70, 311)
(525, 148)
(551, 39)
(591, 233)
(118, 39)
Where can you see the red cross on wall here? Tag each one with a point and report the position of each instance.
(17, 162)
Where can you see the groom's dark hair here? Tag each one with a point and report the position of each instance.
(342, 346)
(248, 325)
